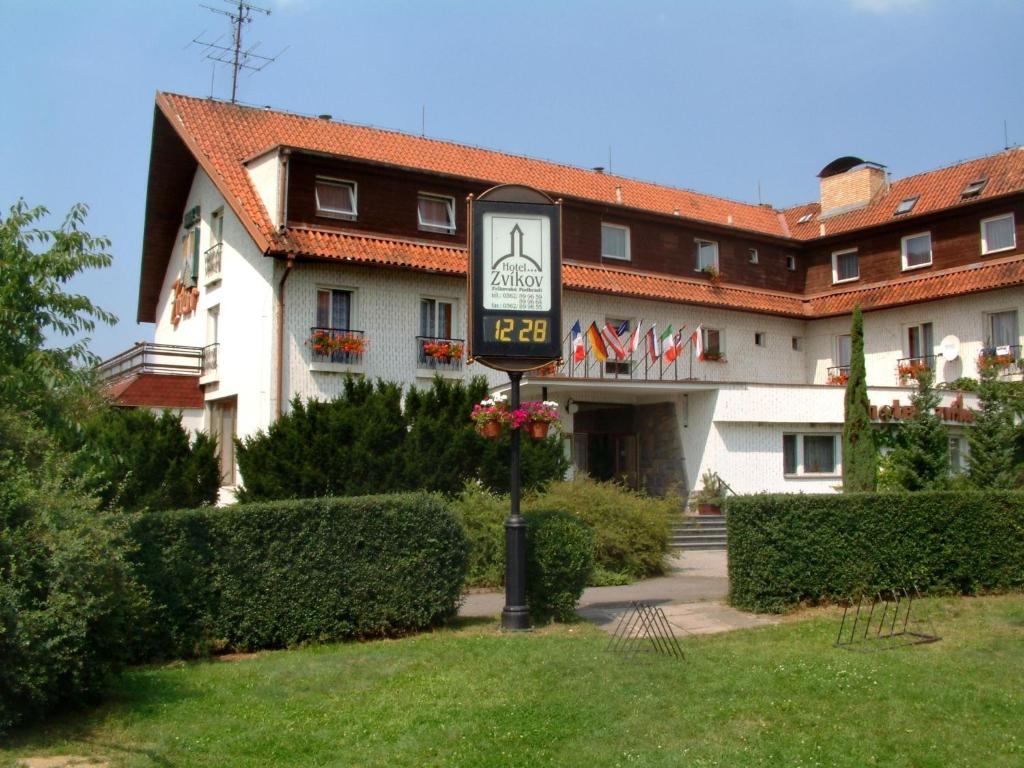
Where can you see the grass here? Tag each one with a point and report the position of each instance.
(470, 696)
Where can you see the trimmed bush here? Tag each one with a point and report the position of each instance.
(787, 549)
(559, 559)
(269, 575)
(482, 517)
(630, 529)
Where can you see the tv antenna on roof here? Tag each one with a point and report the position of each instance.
(240, 14)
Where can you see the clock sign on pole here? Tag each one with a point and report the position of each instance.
(515, 325)
(515, 279)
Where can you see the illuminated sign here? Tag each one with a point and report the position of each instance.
(515, 316)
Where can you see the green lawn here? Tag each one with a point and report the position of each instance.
(470, 696)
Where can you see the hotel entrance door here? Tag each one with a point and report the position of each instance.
(606, 456)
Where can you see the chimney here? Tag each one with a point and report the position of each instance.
(849, 183)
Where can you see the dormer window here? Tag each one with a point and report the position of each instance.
(974, 188)
(336, 198)
(614, 242)
(436, 213)
(916, 250)
(845, 266)
(906, 205)
(805, 218)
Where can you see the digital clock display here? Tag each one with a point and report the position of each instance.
(516, 330)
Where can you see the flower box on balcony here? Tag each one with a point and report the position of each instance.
(713, 357)
(838, 379)
(911, 370)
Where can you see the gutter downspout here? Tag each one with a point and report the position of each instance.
(280, 333)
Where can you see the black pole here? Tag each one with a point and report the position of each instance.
(515, 615)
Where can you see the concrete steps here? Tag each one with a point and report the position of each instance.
(702, 532)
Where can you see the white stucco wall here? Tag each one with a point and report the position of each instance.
(885, 335)
(245, 298)
(265, 174)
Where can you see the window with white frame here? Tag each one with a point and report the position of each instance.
(436, 318)
(336, 198)
(1002, 329)
(920, 340)
(214, 252)
(333, 309)
(706, 254)
(810, 454)
(916, 250)
(714, 343)
(844, 350)
(752, 255)
(998, 234)
(845, 266)
(436, 213)
(614, 241)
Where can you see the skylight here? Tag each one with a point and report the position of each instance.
(805, 218)
(906, 205)
(974, 188)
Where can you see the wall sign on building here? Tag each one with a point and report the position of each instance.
(515, 307)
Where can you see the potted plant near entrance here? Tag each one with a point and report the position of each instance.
(491, 415)
(708, 500)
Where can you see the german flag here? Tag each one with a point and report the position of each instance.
(597, 343)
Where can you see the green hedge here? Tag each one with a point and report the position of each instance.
(559, 559)
(274, 574)
(787, 549)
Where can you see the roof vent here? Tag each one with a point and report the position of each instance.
(324, 116)
(598, 169)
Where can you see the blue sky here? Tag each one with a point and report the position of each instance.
(714, 96)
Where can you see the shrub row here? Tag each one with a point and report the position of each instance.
(630, 530)
(274, 574)
(787, 549)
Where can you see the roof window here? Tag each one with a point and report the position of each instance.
(906, 205)
(805, 218)
(974, 188)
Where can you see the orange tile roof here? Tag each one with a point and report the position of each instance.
(227, 134)
(157, 390)
(937, 190)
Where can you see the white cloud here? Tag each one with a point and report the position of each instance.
(888, 6)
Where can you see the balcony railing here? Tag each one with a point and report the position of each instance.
(636, 366)
(439, 354)
(213, 261)
(838, 375)
(337, 345)
(146, 357)
(1007, 359)
(907, 368)
(210, 359)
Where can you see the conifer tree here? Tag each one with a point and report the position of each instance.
(920, 459)
(860, 454)
(992, 463)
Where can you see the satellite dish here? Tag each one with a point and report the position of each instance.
(950, 348)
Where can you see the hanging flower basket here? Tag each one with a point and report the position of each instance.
(491, 415)
(535, 418)
(539, 429)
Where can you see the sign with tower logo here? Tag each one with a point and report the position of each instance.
(515, 271)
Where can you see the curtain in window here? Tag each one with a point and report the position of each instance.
(1004, 329)
(337, 198)
(333, 309)
(847, 266)
(845, 350)
(919, 250)
(435, 212)
(819, 453)
(613, 242)
(789, 465)
(712, 341)
(706, 252)
(999, 234)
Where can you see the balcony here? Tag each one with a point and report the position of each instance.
(838, 375)
(212, 259)
(209, 362)
(337, 346)
(908, 368)
(439, 354)
(145, 357)
(634, 367)
(1006, 359)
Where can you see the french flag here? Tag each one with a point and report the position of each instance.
(578, 350)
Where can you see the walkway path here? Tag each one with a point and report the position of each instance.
(692, 595)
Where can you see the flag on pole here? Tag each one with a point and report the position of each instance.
(653, 346)
(698, 342)
(597, 343)
(634, 339)
(611, 335)
(578, 351)
(664, 339)
(674, 344)
(623, 327)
